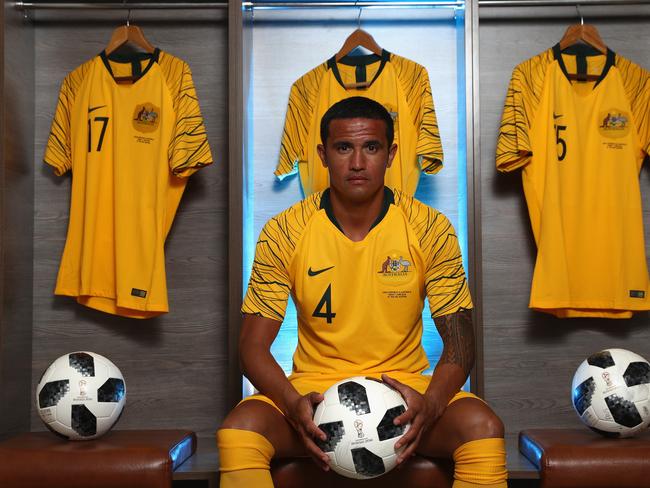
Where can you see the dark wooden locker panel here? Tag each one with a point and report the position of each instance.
(174, 365)
(530, 357)
(16, 218)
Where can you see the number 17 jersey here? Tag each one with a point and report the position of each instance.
(130, 148)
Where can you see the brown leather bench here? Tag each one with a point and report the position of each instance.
(580, 458)
(124, 458)
(418, 472)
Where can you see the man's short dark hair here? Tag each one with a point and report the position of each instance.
(357, 108)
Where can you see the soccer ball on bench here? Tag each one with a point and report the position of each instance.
(611, 392)
(81, 395)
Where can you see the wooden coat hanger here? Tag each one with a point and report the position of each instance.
(123, 35)
(128, 33)
(358, 38)
(587, 34)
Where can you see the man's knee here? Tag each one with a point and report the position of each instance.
(480, 422)
(241, 418)
(252, 415)
(490, 425)
(484, 424)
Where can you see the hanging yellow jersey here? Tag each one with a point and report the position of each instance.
(131, 132)
(360, 303)
(581, 145)
(399, 84)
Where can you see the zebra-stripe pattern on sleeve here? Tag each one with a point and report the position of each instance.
(417, 88)
(300, 109)
(270, 285)
(58, 152)
(522, 99)
(189, 149)
(445, 281)
(636, 81)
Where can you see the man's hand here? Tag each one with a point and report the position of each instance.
(300, 414)
(422, 413)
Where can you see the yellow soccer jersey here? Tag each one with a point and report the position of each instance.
(360, 303)
(581, 145)
(399, 84)
(130, 147)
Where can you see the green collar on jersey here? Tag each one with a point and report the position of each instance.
(581, 53)
(360, 62)
(326, 204)
(135, 58)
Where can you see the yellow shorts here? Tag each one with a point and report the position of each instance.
(307, 383)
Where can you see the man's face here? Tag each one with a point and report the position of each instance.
(357, 156)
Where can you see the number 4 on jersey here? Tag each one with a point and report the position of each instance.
(326, 302)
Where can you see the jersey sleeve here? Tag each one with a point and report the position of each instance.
(270, 282)
(637, 86)
(293, 147)
(414, 80)
(445, 281)
(429, 147)
(269, 286)
(514, 149)
(189, 149)
(58, 151)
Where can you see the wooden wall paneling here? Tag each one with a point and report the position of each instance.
(174, 365)
(16, 217)
(530, 357)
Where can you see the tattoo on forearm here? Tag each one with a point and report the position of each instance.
(457, 333)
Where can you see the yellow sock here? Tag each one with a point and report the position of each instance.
(481, 463)
(244, 459)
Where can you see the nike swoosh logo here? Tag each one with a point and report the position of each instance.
(92, 109)
(557, 116)
(317, 272)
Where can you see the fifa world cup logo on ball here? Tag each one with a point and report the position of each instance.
(607, 379)
(357, 417)
(82, 387)
(358, 424)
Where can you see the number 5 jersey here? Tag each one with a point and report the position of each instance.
(581, 145)
(131, 132)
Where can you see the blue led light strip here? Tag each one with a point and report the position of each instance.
(352, 4)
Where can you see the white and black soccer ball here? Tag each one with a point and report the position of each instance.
(611, 392)
(81, 395)
(357, 415)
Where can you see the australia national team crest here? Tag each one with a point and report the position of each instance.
(392, 110)
(395, 268)
(614, 123)
(146, 117)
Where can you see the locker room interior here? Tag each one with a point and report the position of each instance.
(181, 368)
